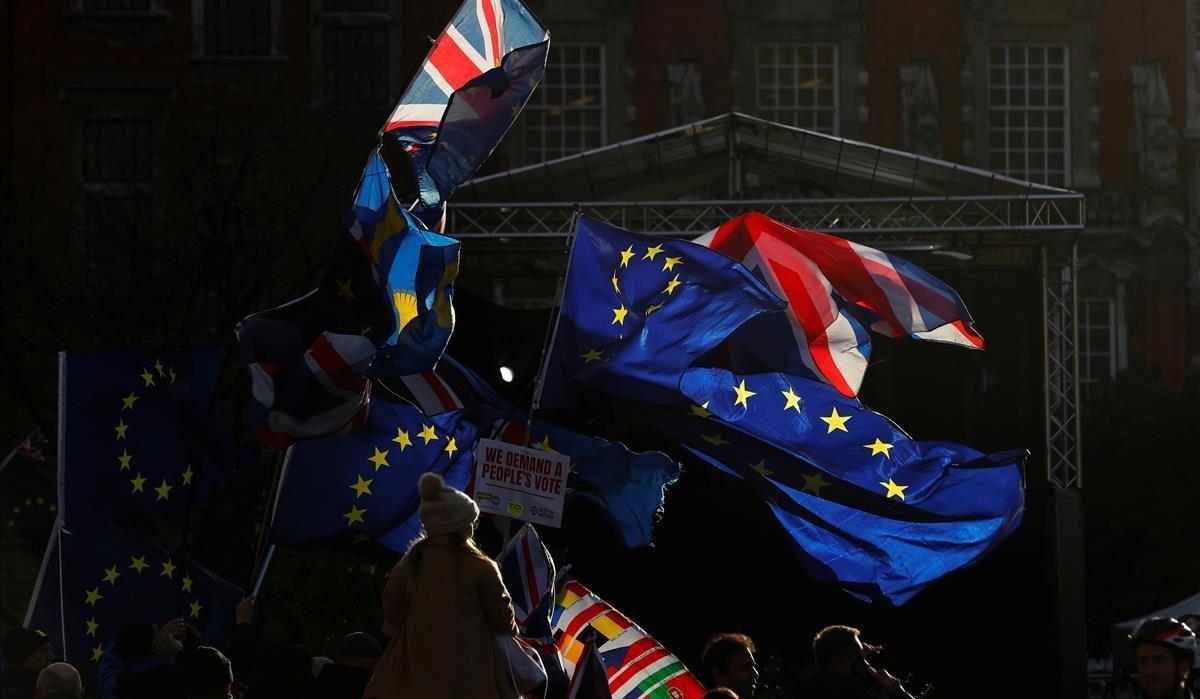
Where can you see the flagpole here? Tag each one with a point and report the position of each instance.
(264, 552)
(552, 328)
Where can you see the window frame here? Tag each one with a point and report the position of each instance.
(535, 154)
(772, 113)
(1085, 326)
(1026, 172)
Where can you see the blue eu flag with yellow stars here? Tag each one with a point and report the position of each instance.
(97, 577)
(866, 506)
(138, 434)
(365, 483)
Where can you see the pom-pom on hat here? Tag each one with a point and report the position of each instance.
(444, 509)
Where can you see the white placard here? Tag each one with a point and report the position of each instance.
(520, 482)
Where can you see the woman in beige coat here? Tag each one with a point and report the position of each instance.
(443, 607)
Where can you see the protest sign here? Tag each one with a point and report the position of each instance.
(520, 482)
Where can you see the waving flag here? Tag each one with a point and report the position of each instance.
(137, 433)
(470, 88)
(591, 679)
(883, 515)
(528, 573)
(628, 485)
(97, 577)
(837, 291)
(366, 482)
(636, 664)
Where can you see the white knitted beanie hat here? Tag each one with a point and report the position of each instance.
(444, 509)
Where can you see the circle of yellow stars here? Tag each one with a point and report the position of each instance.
(137, 567)
(379, 460)
(157, 374)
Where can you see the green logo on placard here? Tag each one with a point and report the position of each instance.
(515, 509)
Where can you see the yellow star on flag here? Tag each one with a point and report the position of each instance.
(671, 285)
(879, 447)
(195, 609)
(627, 255)
(362, 487)
(701, 410)
(836, 422)
(97, 653)
(93, 596)
(655, 307)
(616, 283)
(137, 481)
(92, 626)
(128, 401)
(147, 376)
(111, 575)
(344, 289)
(670, 262)
(379, 458)
(121, 428)
(793, 400)
(619, 315)
(158, 366)
(187, 475)
(761, 467)
(743, 395)
(813, 484)
(138, 563)
(164, 491)
(591, 356)
(893, 489)
(402, 439)
(651, 252)
(451, 447)
(544, 445)
(124, 459)
(428, 434)
(40, 501)
(168, 569)
(714, 439)
(171, 371)
(354, 515)
(187, 583)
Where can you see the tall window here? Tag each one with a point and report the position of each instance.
(1028, 112)
(237, 27)
(1097, 338)
(118, 172)
(356, 65)
(566, 113)
(797, 85)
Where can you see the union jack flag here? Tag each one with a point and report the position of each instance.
(528, 572)
(497, 46)
(838, 290)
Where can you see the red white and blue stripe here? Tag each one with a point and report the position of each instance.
(528, 572)
(838, 290)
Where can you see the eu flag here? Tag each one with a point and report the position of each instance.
(97, 577)
(880, 513)
(366, 483)
(28, 501)
(138, 433)
(629, 486)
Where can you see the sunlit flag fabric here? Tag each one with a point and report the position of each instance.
(138, 433)
(365, 483)
(636, 664)
(466, 94)
(528, 573)
(415, 271)
(110, 577)
(837, 292)
(901, 513)
(629, 486)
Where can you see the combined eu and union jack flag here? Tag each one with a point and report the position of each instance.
(138, 434)
(837, 292)
(636, 664)
(110, 577)
(641, 323)
(465, 96)
(365, 483)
